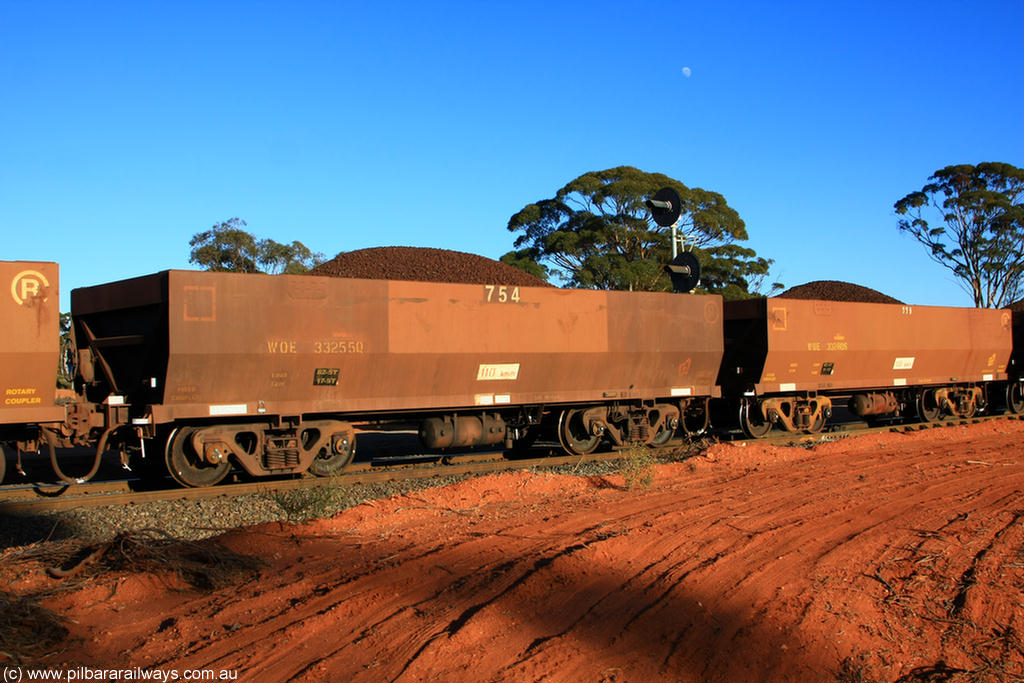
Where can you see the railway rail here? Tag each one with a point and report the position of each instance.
(36, 499)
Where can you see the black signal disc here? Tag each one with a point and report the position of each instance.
(684, 270)
(666, 216)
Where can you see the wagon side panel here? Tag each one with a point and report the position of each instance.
(824, 345)
(244, 344)
(30, 342)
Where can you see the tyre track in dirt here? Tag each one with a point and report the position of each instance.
(870, 557)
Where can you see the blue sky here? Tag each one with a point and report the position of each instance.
(125, 128)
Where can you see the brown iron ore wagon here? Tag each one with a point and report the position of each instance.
(273, 372)
(29, 347)
(786, 359)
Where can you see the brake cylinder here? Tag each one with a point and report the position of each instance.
(863, 405)
(462, 431)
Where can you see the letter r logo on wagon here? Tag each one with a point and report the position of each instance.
(27, 285)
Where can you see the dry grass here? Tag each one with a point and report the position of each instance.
(29, 631)
(203, 566)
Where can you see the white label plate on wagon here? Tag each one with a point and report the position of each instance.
(497, 371)
(229, 409)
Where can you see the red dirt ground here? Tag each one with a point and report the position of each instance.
(895, 557)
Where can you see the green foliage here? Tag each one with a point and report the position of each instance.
(225, 247)
(228, 247)
(597, 233)
(638, 468)
(977, 228)
(735, 272)
(312, 502)
(526, 260)
(66, 360)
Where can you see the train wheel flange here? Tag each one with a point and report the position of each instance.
(663, 437)
(574, 435)
(187, 467)
(335, 456)
(927, 407)
(666, 421)
(752, 422)
(1015, 397)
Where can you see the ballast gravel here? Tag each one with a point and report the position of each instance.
(193, 520)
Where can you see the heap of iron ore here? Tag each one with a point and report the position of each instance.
(834, 290)
(425, 264)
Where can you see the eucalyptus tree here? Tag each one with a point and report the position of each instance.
(227, 246)
(971, 220)
(597, 232)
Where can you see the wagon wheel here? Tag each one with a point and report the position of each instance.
(818, 423)
(665, 434)
(663, 437)
(1015, 397)
(752, 421)
(927, 409)
(573, 433)
(187, 467)
(336, 455)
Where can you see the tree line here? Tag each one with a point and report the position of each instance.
(598, 232)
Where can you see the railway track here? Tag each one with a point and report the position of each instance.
(34, 499)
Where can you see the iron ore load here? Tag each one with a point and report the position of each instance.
(197, 373)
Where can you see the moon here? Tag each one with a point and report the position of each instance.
(687, 71)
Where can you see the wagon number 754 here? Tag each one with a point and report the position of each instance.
(501, 294)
